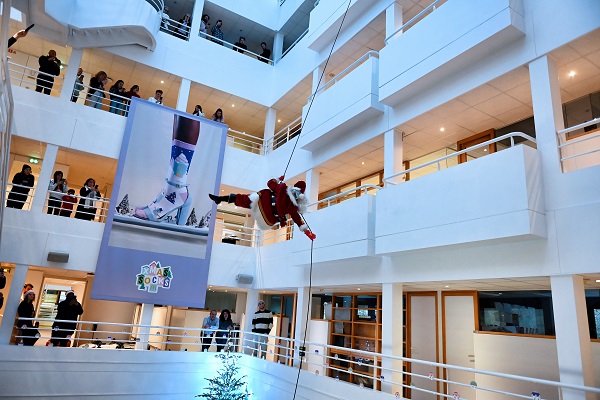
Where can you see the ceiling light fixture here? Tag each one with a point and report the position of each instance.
(597, 280)
(484, 149)
(446, 286)
(363, 163)
(233, 105)
(442, 129)
(278, 120)
(358, 288)
(162, 81)
(571, 74)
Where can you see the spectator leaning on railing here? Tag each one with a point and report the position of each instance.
(50, 66)
(78, 85)
(217, 33)
(18, 194)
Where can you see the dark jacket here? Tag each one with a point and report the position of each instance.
(68, 311)
(26, 310)
(18, 195)
(95, 84)
(49, 67)
(87, 212)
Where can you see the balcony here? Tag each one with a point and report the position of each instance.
(494, 198)
(444, 43)
(344, 103)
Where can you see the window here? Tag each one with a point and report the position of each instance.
(518, 312)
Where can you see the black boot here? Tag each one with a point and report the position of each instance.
(218, 199)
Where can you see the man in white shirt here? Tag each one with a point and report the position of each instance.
(157, 97)
(210, 325)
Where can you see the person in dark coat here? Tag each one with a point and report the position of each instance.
(18, 194)
(26, 310)
(270, 206)
(225, 324)
(49, 68)
(86, 208)
(68, 309)
(12, 40)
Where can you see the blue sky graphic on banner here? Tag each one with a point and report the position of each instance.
(158, 236)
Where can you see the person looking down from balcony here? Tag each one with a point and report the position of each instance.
(218, 116)
(204, 26)
(184, 25)
(78, 85)
(12, 40)
(68, 310)
(86, 209)
(241, 43)
(198, 111)
(270, 207)
(68, 202)
(94, 94)
(217, 33)
(133, 92)
(57, 188)
(157, 98)
(26, 327)
(262, 323)
(265, 56)
(50, 67)
(165, 19)
(116, 98)
(18, 194)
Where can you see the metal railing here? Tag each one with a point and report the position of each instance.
(511, 136)
(365, 188)
(103, 100)
(432, 7)
(243, 141)
(16, 199)
(234, 47)
(231, 233)
(158, 5)
(369, 368)
(345, 71)
(576, 149)
(291, 46)
(175, 28)
(77, 209)
(21, 74)
(292, 130)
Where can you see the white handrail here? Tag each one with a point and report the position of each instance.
(361, 187)
(34, 75)
(579, 126)
(165, 26)
(283, 135)
(244, 340)
(292, 45)
(387, 180)
(413, 19)
(158, 5)
(234, 47)
(367, 55)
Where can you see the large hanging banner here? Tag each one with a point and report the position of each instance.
(158, 236)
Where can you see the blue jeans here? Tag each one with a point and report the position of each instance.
(95, 100)
(116, 106)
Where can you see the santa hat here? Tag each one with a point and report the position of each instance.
(28, 292)
(70, 292)
(301, 185)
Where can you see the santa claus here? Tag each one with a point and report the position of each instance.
(270, 207)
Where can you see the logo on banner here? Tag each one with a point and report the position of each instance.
(154, 276)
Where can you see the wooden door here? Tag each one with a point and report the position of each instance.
(475, 140)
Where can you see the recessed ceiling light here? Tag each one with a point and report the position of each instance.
(446, 286)
(210, 286)
(571, 74)
(226, 291)
(484, 149)
(233, 105)
(442, 129)
(358, 288)
(162, 81)
(597, 280)
(363, 163)
(278, 120)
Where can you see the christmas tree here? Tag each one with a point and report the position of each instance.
(192, 220)
(227, 385)
(123, 207)
(204, 221)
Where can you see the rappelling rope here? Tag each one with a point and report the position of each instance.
(310, 270)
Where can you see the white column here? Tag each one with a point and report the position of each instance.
(303, 303)
(270, 123)
(251, 307)
(196, 18)
(71, 73)
(548, 116)
(316, 76)
(144, 332)
(393, 19)
(312, 187)
(575, 364)
(391, 335)
(11, 303)
(46, 173)
(393, 154)
(277, 47)
(184, 94)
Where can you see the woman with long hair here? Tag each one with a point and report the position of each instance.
(57, 188)
(218, 116)
(117, 97)
(26, 327)
(225, 326)
(95, 94)
(86, 209)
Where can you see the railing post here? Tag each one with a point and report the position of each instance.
(144, 331)
(71, 74)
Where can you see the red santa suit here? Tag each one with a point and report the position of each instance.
(269, 207)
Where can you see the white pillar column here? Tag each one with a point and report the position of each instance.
(144, 332)
(573, 347)
(277, 47)
(269, 132)
(391, 335)
(46, 173)
(184, 94)
(312, 187)
(303, 303)
(548, 116)
(196, 18)
(11, 303)
(71, 73)
(251, 307)
(315, 78)
(393, 154)
(393, 19)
